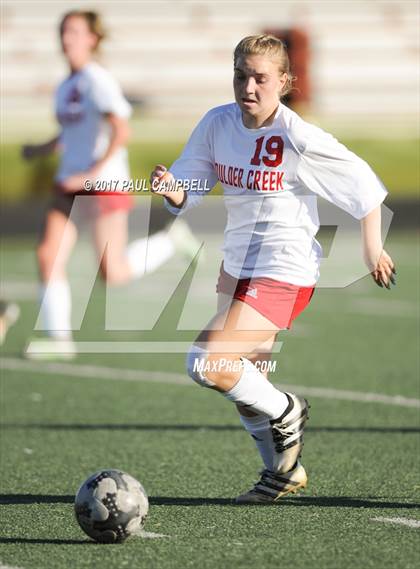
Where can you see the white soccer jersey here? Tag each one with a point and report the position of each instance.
(271, 177)
(82, 100)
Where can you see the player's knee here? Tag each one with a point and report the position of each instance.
(196, 362)
(210, 370)
(223, 370)
(111, 275)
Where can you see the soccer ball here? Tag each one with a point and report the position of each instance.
(110, 506)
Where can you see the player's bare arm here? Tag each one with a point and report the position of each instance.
(120, 134)
(30, 151)
(376, 258)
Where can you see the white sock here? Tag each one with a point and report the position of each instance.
(56, 309)
(146, 255)
(256, 393)
(260, 430)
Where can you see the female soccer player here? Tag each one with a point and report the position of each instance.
(93, 114)
(272, 165)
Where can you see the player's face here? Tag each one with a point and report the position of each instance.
(77, 40)
(257, 84)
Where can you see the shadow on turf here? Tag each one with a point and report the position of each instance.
(35, 499)
(183, 427)
(43, 541)
(320, 501)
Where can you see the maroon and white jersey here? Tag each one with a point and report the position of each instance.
(271, 177)
(81, 102)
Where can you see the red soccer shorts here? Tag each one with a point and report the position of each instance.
(280, 302)
(99, 203)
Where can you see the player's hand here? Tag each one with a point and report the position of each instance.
(82, 180)
(30, 151)
(384, 272)
(159, 178)
(76, 182)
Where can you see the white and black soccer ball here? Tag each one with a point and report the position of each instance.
(110, 506)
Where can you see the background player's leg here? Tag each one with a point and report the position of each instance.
(9, 314)
(121, 263)
(110, 236)
(53, 252)
(147, 255)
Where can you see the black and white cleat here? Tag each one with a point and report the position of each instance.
(271, 487)
(287, 433)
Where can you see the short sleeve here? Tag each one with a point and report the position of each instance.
(328, 169)
(107, 95)
(196, 163)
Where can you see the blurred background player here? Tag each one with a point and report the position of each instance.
(93, 115)
(9, 314)
(271, 257)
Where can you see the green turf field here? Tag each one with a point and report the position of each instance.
(61, 422)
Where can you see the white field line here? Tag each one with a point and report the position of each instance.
(39, 348)
(8, 566)
(118, 374)
(148, 535)
(94, 371)
(398, 521)
(29, 290)
(362, 396)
